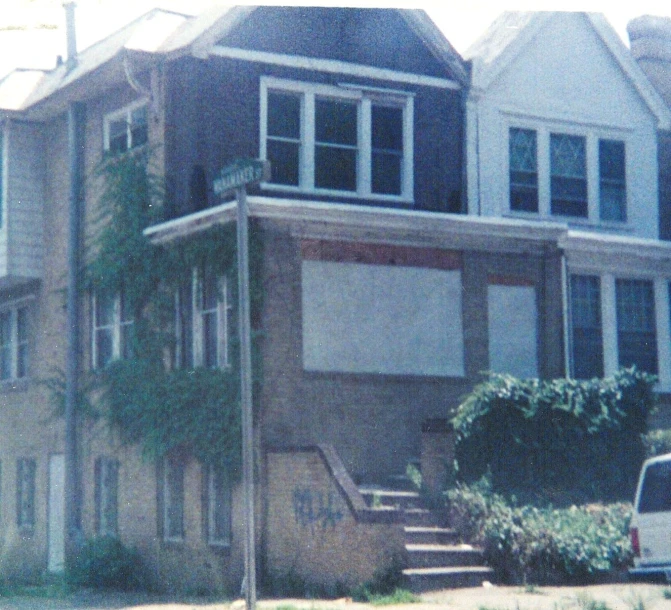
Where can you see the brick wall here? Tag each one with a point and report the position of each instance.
(314, 531)
(374, 421)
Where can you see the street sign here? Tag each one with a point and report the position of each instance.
(241, 172)
(237, 176)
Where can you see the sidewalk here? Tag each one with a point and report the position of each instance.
(602, 597)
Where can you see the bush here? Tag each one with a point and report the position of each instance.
(562, 441)
(105, 563)
(543, 545)
(657, 442)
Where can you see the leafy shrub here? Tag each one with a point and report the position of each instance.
(657, 442)
(543, 545)
(560, 441)
(105, 563)
(470, 506)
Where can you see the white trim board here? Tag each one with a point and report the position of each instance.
(333, 66)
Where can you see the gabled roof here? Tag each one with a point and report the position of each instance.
(165, 34)
(509, 34)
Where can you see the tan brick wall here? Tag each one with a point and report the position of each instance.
(311, 531)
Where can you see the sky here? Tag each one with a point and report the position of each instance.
(31, 31)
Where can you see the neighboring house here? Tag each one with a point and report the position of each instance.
(650, 39)
(387, 292)
(562, 131)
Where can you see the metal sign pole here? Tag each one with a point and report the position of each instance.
(246, 397)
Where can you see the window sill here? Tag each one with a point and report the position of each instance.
(609, 225)
(8, 386)
(340, 194)
(220, 548)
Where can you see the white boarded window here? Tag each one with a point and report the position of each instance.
(512, 330)
(391, 320)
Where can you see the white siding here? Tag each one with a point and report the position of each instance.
(565, 80)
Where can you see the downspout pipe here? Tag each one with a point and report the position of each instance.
(73, 537)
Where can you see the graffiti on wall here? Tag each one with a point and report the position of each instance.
(315, 508)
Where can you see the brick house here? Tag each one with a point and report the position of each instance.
(389, 286)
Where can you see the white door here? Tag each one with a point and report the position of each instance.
(56, 513)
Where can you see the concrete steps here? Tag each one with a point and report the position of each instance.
(420, 580)
(435, 559)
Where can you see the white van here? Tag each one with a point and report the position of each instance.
(651, 521)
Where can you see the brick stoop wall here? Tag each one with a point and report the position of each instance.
(319, 529)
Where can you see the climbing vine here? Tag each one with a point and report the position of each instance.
(150, 401)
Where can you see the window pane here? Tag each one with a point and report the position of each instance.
(174, 499)
(523, 170)
(138, 127)
(104, 310)
(184, 325)
(568, 184)
(587, 356)
(387, 128)
(284, 115)
(335, 168)
(612, 182)
(284, 162)
(656, 489)
(25, 492)
(219, 506)
(387, 150)
(335, 122)
(23, 333)
(106, 494)
(386, 173)
(118, 136)
(636, 324)
(6, 345)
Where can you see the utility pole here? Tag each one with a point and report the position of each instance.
(72, 525)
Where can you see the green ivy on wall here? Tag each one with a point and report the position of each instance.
(152, 404)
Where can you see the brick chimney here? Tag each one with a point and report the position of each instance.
(650, 41)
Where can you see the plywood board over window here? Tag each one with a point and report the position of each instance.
(512, 318)
(394, 320)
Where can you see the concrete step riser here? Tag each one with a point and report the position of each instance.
(447, 559)
(431, 538)
(433, 582)
(398, 501)
(423, 518)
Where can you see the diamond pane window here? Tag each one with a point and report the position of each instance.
(523, 170)
(568, 183)
(612, 182)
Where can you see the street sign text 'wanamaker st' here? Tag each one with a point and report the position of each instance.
(239, 173)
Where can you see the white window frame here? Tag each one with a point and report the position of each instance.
(212, 507)
(592, 135)
(223, 313)
(609, 329)
(117, 326)
(364, 97)
(14, 344)
(125, 113)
